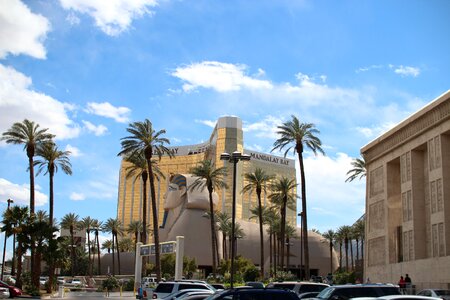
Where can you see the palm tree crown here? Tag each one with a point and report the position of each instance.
(358, 169)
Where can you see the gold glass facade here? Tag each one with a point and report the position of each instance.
(227, 136)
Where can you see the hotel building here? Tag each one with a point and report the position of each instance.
(227, 136)
(408, 200)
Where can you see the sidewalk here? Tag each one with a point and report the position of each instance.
(124, 295)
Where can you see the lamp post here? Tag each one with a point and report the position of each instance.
(233, 158)
(4, 245)
(300, 214)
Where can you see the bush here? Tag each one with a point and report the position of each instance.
(251, 273)
(344, 277)
(110, 283)
(129, 285)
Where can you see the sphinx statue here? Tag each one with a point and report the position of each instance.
(185, 215)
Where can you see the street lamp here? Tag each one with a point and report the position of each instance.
(233, 158)
(300, 214)
(4, 245)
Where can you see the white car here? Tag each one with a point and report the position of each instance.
(438, 293)
(4, 293)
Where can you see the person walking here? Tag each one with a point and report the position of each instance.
(408, 284)
(402, 284)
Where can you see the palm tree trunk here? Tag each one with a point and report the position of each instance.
(351, 255)
(155, 220)
(19, 266)
(331, 257)
(98, 252)
(144, 209)
(34, 279)
(346, 254)
(304, 217)
(113, 257)
(283, 232)
(340, 256)
(72, 252)
(224, 246)
(270, 254)
(357, 250)
(118, 253)
(213, 230)
(261, 236)
(89, 253)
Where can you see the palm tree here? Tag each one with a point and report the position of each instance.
(329, 236)
(70, 222)
(135, 227)
(96, 227)
(272, 219)
(18, 218)
(344, 231)
(211, 178)
(144, 139)
(224, 225)
(283, 196)
(107, 245)
(301, 135)
(258, 181)
(87, 224)
(359, 169)
(339, 238)
(52, 159)
(138, 168)
(358, 231)
(30, 135)
(126, 245)
(114, 226)
(290, 233)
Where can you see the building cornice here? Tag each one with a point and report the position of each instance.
(430, 116)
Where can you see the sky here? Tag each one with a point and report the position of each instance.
(86, 69)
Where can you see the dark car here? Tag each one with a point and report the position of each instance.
(13, 291)
(345, 292)
(254, 294)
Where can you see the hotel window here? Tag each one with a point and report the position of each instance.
(435, 240)
(407, 206)
(434, 153)
(408, 246)
(439, 197)
(437, 149)
(441, 239)
(411, 245)
(433, 197)
(405, 167)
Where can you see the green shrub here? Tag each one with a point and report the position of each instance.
(251, 273)
(110, 283)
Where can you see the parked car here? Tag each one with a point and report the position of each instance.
(255, 284)
(308, 295)
(407, 297)
(4, 293)
(42, 281)
(218, 286)
(196, 295)
(438, 293)
(13, 291)
(344, 292)
(165, 288)
(254, 293)
(61, 280)
(299, 287)
(149, 282)
(181, 293)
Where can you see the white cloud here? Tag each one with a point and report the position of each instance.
(407, 71)
(72, 19)
(21, 193)
(329, 194)
(372, 132)
(113, 16)
(266, 128)
(105, 109)
(97, 130)
(18, 101)
(74, 151)
(208, 123)
(77, 196)
(21, 31)
(222, 77)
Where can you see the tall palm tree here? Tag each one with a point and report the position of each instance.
(144, 139)
(345, 232)
(126, 245)
(135, 227)
(114, 226)
(339, 238)
(358, 230)
(87, 224)
(272, 219)
(290, 233)
(358, 170)
(52, 159)
(30, 135)
(18, 217)
(96, 227)
(298, 136)
(283, 196)
(107, 245)
(138, 168)
(329, 236)
(211, 178)
(70, 222)
(224, 225)
(257, 181)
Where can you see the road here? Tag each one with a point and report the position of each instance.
(95, 295)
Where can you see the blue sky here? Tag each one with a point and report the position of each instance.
(86, 69)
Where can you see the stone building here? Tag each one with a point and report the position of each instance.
(408, 199)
